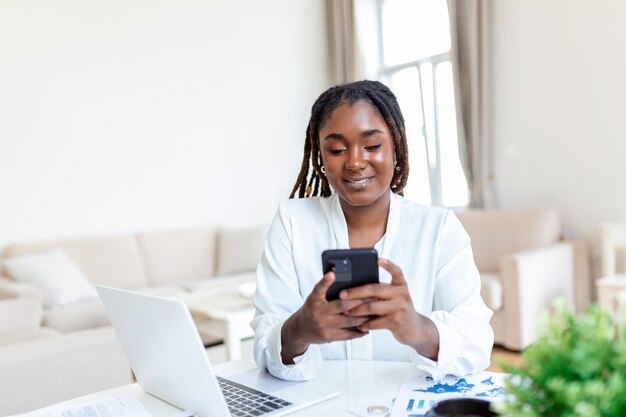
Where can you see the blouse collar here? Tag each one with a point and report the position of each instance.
(340, 225)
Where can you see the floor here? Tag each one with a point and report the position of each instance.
(508, 356)
(217, 354)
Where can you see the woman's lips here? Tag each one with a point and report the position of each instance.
(358, 183)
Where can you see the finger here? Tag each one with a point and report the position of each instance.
(342, 306)
(397, 277)
(374, 308)
(351, 334)
(368, 291)
(321, 288)
(344, 322)
(374, 324)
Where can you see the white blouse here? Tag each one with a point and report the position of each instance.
(434, 252)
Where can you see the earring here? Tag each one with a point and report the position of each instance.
(323, 169)
(395, 164)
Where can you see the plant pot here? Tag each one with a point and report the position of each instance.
(462, 407)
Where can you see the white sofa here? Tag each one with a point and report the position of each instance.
(168, 263)
(51, 354)
(40, 366)
(524, 263)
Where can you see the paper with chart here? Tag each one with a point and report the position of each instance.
(420, 392)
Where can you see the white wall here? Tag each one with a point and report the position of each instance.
(559, 108)
(125, 115)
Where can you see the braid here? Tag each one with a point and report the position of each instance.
(381, 98)
(300, 185)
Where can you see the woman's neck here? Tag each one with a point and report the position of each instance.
(366, 225)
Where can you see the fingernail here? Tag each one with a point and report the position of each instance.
(343, 294)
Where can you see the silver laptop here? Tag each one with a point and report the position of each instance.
(169, 361)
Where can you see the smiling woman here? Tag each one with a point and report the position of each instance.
(427, 307)
(358, 155)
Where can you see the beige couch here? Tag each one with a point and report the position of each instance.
(168, 263)
(40, 366)
(52, 354)
(524, 264)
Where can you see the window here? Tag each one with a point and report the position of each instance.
(414, 61)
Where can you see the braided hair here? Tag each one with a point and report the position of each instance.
(381, 98)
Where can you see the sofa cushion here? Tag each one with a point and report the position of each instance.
(231, 281)
(163, 291)
(20, 314)
(178, 255)
(27, 335)
(79, 316)
(491, 291)
(54, 369)
(239, 249)
(108, 260)
(495, 233)
(60, 281)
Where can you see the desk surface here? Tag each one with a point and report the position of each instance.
(359, 381)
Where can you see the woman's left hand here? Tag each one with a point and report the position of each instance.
(391, 308)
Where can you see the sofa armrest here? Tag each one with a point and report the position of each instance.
(584, 288)
(19, 314)
(531, 280)
(43, 372)
(12, 289)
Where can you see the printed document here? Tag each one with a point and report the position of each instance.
(420, 392)
(120, 406)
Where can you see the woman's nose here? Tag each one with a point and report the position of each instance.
(356, 161)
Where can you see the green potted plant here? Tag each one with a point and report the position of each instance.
(577, 369)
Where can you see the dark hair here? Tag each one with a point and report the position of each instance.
(381, 98)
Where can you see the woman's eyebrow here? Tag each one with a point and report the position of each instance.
(337, 136)
(371, 132)
(366, 133)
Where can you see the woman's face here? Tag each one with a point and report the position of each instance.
(358, 153)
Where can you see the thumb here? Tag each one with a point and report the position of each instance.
(321, 288)
(397, 277)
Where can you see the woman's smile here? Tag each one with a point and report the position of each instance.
(358, 183)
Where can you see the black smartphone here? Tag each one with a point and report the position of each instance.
(352, 268)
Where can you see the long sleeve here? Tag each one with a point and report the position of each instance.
(459, 313)
(277, 297)
(430, 246)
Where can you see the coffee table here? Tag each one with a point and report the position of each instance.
(223, 313)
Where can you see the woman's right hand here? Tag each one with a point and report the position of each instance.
(319, 321)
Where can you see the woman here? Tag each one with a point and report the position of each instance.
(427, 308)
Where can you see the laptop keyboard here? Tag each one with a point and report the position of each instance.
(245, 401)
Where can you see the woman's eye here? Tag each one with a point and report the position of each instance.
(372, 147)
(336, 151)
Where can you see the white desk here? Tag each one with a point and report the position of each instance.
(358, 381)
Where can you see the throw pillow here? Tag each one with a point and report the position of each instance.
(59, 279)
(239, 249)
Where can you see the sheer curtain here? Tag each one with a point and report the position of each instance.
(469, 30)
(345, 64)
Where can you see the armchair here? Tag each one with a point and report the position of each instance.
(524, 264)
